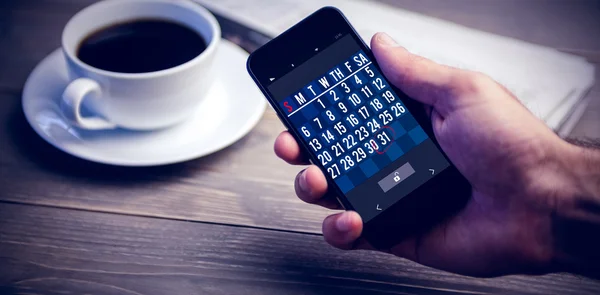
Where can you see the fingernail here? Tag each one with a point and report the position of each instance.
(344, 223)
(386, 40)
(302, 182)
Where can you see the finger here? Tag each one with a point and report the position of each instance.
(420, 78)
(437, 121)
(288, 149)
(343, 230)
(311, 187)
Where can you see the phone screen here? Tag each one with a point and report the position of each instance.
(357, 127)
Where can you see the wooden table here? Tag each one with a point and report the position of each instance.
(224, 224)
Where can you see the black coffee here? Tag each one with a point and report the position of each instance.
(141, 46)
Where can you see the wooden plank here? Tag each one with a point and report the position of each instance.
(60, 251)
(26, 37)
(243, 184)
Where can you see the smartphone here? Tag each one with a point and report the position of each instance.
(374, 144)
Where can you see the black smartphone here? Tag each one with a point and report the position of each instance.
(374, 144)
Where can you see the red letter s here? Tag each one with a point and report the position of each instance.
(288, 107)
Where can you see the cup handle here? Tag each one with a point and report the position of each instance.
(72, 98)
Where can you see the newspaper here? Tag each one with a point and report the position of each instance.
(550, 83)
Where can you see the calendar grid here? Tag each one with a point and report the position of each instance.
(325, 91)
(358, 126)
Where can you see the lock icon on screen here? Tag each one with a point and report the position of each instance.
(396, 177)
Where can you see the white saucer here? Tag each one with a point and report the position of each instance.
(233, 107)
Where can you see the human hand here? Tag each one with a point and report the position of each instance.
(513, 161)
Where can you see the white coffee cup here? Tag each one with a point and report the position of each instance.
(141, 101)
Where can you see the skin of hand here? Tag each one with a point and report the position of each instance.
(517, 166)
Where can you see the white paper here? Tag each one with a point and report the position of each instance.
(550, 83)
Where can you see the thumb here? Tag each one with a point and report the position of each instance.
(430, 83)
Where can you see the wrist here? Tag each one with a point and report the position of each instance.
(576, 217)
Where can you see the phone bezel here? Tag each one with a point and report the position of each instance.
(416, 212)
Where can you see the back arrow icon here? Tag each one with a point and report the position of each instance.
(432, 171)
(378, 209)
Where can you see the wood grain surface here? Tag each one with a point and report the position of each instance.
(63, 251)
(228, 223)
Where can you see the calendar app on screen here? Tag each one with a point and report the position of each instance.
(358, 127)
